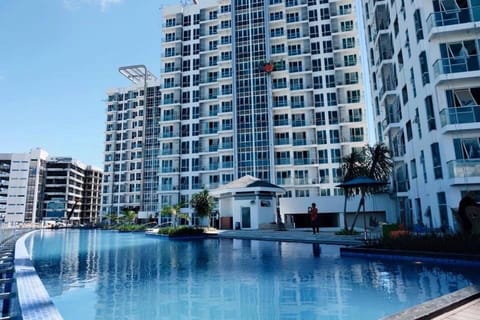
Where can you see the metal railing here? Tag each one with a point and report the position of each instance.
(464, 168)
(453, 17)
(460, 115)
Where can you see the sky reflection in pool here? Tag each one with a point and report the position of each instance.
(94, 274)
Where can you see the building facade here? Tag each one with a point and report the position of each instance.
(34, 186)
(71, 191)
(21, 179)
(424, 71)
(132, 145)
(267, 89)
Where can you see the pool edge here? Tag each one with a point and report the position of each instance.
(34, 300)
(438, 306)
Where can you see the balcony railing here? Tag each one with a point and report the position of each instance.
(460, 115)
(453, 17)
(464, 168)
(456, 64)
(282, 141)
(281, 161)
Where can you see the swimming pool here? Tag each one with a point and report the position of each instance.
(94, 274)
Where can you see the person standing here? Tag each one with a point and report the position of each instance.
(314, 218)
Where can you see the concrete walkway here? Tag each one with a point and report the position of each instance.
(469, 311)
(296, 235)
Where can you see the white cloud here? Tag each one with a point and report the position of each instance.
(102, 4)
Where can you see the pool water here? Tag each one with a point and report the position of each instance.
(94, 274)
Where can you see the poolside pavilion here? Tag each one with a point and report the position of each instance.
(247, 203)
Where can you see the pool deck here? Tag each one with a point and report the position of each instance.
(461, 305)
(296, 235)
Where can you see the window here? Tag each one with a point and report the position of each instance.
(335, 154)
(418, 25)
(436, 160)
(405, 95)
(316, 65)
(413, 168)
(409, 130)
(323, 156)
(321, 137)
(422, 162)
(430, 113)
(442, 209)
(334, 136)
(326, 31)
(424, 68)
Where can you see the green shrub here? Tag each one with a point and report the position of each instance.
(454, 243)
(130, 227)
(180, 231)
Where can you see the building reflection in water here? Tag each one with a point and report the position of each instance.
(131, 276)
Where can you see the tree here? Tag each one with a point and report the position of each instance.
(111, 217)
(202, 203)
(129, 216)
(376, 164)
(174, 212)
(352, 166)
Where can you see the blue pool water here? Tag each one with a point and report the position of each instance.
(93, 274)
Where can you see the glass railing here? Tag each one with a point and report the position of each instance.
(456, 64)
(282, 161)
(467, 168)
(227, 164)
(299, 181)
(226, 146)
(453, 17)
(279, 142)
(284, 181)
(299, 142)
(460, 115)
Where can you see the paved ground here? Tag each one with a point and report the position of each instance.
(297, 235)
(469, 311)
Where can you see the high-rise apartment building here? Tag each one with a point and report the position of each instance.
(21, 178)
(424, 72)
(34, 186)
(132, 145)
(71, 190)
(270, 89)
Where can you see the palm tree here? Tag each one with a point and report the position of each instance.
(174, 212)
(202, 202)
(352, 166)
(129, 216)
(111, 217)
(376, 164)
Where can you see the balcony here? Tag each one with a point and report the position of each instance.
(226, 146)
(460, 115)
(227, 164)
(168, 152)
(282, 141)
(282, 161)
(294, 3)
(299, 142)
(168, 187)
(284, 181)
(170, 134)
(452, 22)
(281, 122)
(458, 66)
(461, 170)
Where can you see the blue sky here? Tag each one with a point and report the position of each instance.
(58, 58)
